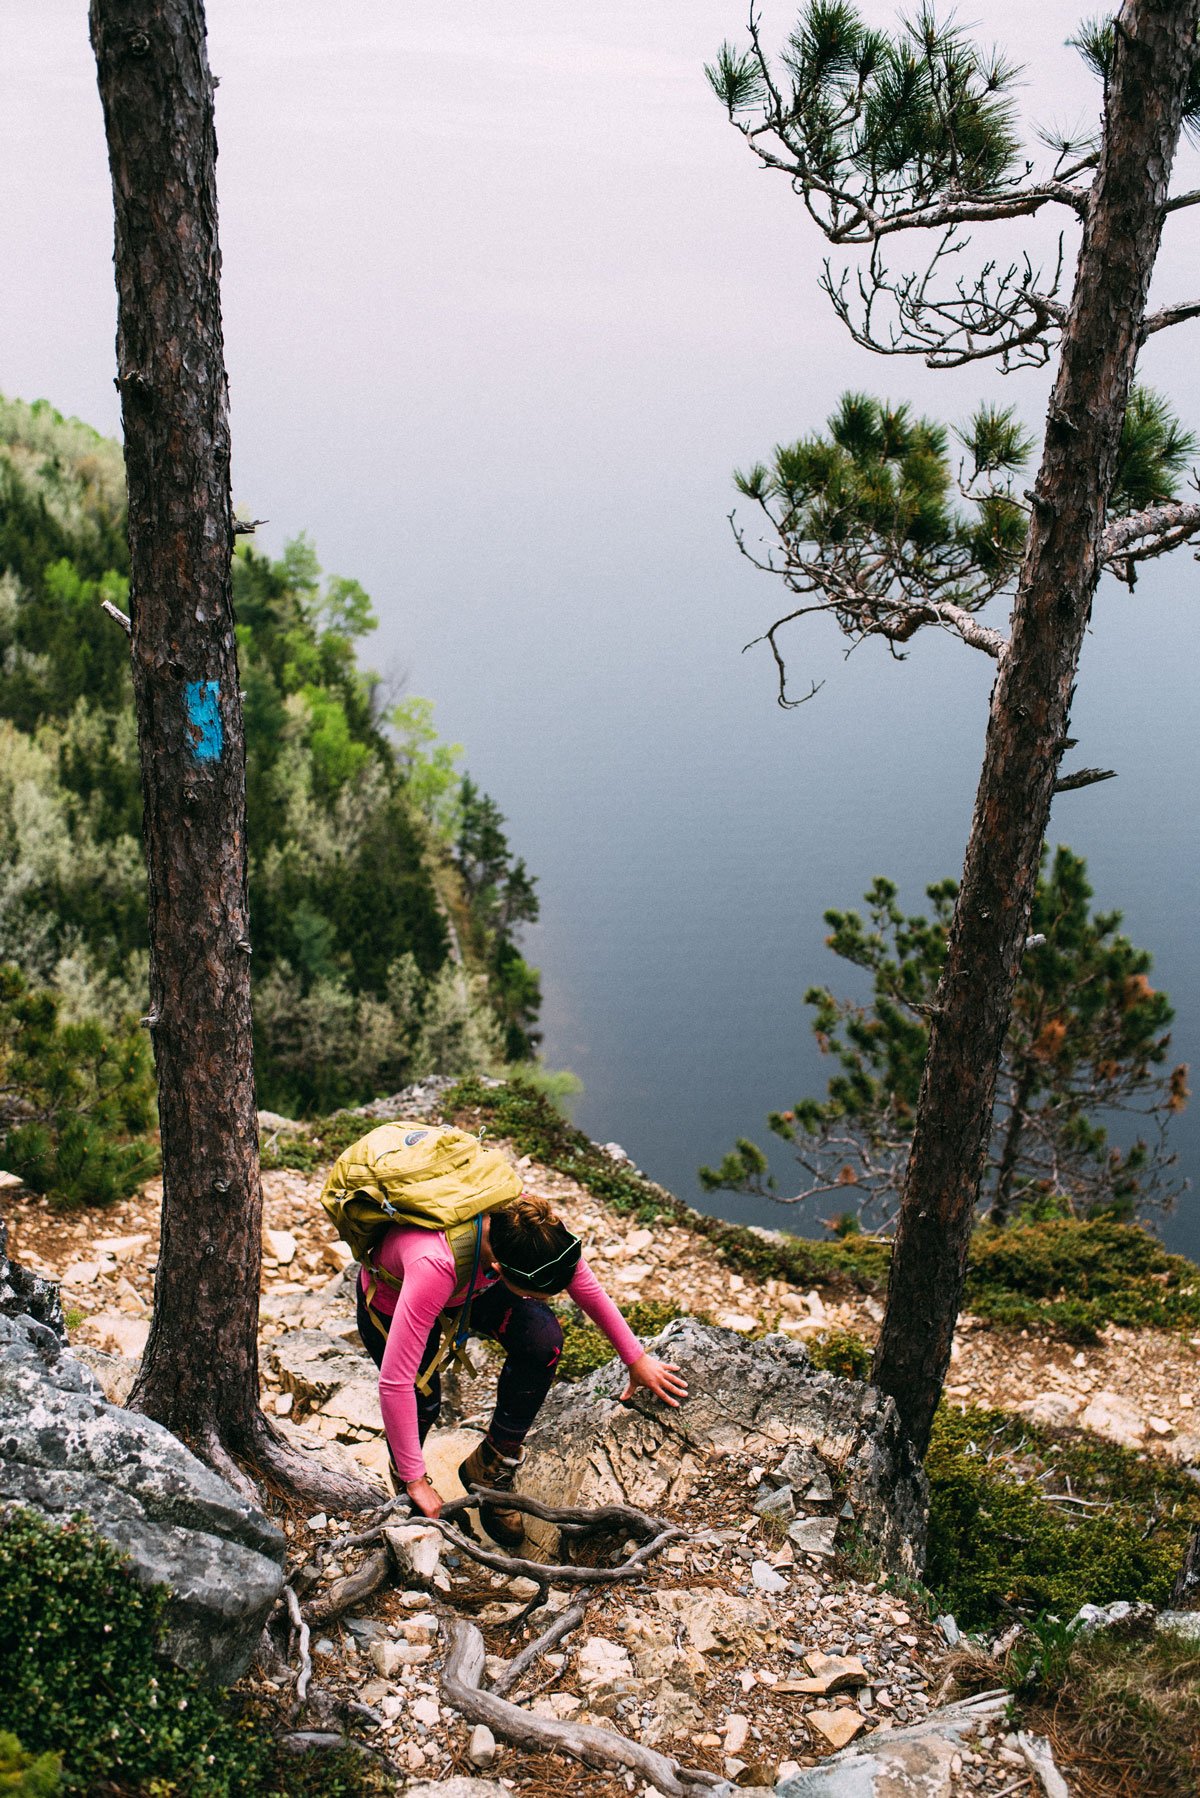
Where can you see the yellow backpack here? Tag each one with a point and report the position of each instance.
(429, 1175)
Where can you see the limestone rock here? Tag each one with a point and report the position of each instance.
(458, 1787)
(281, 1244)
(921, 1759)
(1052, 1410)
(313, 1365)
(115, 1374)
(23, 1294)
(415, 1547)
(715, 1622)
(836, 1728)
(481, 1748)
(65, 1449)
(758, 1398)
(117, 1334)
(1110, 1415)
(813, 1535)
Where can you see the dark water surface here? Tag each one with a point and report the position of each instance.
(505, 302)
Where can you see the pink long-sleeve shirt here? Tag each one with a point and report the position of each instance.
(424, 1261)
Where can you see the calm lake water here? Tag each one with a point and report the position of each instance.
(505, 302)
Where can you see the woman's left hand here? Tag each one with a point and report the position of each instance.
(662, 1378)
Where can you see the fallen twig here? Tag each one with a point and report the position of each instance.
(462, 1687)
(562, 1626)
(351, 1590)
(301, 1627)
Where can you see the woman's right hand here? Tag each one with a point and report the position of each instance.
(427, 1498)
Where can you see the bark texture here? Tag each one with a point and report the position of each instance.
(1155, 49)
(199, 1375)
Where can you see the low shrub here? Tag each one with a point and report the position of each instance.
(27, 1775)
(77, 1097)
(1075, 1276)
(80, 1679)
(585, 1347)
(1027, 1521)
(841, 1352)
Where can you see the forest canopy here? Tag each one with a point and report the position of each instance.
(385, 900)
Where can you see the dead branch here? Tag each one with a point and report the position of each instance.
(462, 1686)
(602, 1517)
(1150, 532)
(115, 612)
(301, 1628)
(562, 1626)
(246, 527)
(1083, 777)
(356, 1586)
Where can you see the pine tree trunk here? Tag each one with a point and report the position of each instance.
(199, 1374)
(1154, 55)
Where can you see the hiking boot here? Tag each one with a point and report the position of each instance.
(485, 1466)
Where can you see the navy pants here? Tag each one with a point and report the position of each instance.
(531, 1337)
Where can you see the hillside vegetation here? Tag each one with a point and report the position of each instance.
(385, 900)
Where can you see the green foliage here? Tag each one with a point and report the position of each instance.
(27, 1775)
(1077, 1276)
(585, 1348)
(1087, 1038)
(841, 1352)
(890, 531)
(80, 1680)
(999, 1547)
(354, 813)
(1094, 41)
(906, 114)
(74, 1095)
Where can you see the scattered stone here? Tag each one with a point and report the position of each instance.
(836, 1727)
(282, 1244)
(124, 1248)
(314, 1365)
(415, 1547)
(388, 1657)
(813, 1535)
(481, 1749)
(1050, 1410)
(737, 1732)
(118, 1334)
(780, 1504)
(765, 1577)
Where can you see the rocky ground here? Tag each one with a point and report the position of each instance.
(738, 1651)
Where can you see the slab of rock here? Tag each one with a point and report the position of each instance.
(716, 1622)
(458, 1787)
(115, 1333)
(917, 1760)
(314, 1365)
(835, 1728)
(1115, 1417)
(65, 1449)
(1052, 1410)
(115, 1374)
(758, 1398)
(813, 1535)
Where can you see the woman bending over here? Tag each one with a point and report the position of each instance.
(526, 1254)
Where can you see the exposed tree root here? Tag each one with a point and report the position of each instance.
(562, 1626)
(605, 1517)
(304, 1476)
(356, 1586)
(300, 1628)
(462, 1686)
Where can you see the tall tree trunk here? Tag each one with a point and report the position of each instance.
(1152, 62)
(199, 1374)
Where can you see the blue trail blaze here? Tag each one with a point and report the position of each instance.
(206, 738)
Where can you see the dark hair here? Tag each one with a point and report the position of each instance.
(533, 1245)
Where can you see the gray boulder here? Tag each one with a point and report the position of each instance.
(64, 1450)
(315, 1364)
(921, 1759)
(763, 1399)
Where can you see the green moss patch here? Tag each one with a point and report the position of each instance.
(81, 1681)
(585, 1347)
(1025, 1521)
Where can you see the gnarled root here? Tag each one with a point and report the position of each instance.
(462, 1686)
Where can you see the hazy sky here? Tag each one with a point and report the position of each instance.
(505, 301)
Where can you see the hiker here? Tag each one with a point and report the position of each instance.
(422, 1290)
